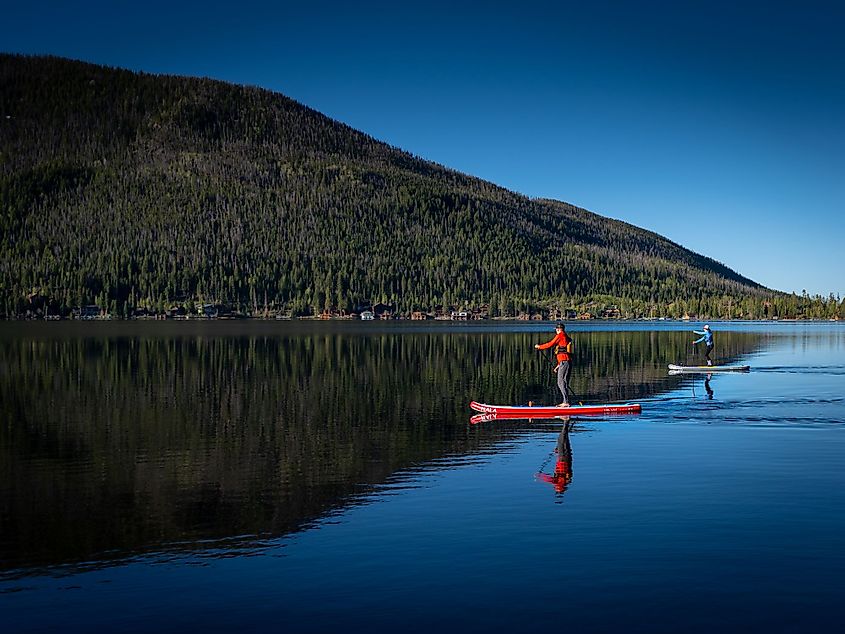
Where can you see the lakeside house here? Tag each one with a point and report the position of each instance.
(368, 315)
(482, 312)
(383, 311)
(610, 312)
(91, 311)
(177, 312)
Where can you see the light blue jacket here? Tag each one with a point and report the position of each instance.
(707, 337)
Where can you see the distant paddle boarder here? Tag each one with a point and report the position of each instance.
(563, 346)
(707, 338)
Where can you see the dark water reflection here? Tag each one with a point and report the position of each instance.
(125, 439)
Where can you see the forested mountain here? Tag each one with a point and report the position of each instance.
(131, 190)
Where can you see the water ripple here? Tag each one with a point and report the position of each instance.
(832, 370)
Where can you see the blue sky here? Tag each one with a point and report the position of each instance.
(718, 125)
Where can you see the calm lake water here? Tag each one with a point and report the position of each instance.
(307, 476)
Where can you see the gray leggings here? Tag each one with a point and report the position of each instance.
(563, 371)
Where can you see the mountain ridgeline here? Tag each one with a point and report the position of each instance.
(136, 191)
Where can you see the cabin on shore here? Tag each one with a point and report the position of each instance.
(384, 311)
(91, 311)
(176, 312)
(368, 315)
(482, 312)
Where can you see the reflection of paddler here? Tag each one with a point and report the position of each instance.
(707, 387)
(562, 475)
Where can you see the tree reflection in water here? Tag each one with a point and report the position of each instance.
(147, 439)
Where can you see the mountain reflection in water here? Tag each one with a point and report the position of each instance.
(121, 441)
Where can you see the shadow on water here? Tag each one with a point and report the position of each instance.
(118, 443)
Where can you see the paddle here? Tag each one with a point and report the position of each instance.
(550, 359)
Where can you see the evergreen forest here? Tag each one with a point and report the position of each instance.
(141, 194)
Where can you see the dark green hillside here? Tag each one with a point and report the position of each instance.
(132, 191)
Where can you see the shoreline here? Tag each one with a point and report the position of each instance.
(109, 318)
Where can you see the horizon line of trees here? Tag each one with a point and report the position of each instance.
(780, 306)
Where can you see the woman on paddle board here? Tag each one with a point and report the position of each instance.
(563, 344)
(707, 338)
